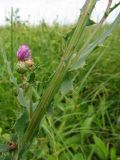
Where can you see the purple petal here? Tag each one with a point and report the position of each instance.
(23, 53)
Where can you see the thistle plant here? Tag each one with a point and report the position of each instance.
(71, 60)
(24, 59)
(25, 64)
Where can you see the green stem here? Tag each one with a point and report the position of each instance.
(85, 14)
(46, 99)
(30, 109)
(23, 83)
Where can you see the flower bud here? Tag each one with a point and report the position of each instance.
(21, 67)
(30, 64)
(23, 53)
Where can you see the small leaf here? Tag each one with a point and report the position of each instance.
(90, 22)
(69, 34)
(21, 124)
(3, 148)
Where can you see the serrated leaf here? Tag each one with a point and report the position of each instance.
(92, 46)
(21, 124)
(3, 148)
(101, 148)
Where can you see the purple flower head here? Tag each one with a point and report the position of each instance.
(23, 53)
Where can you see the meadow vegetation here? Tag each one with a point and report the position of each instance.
(83, 120)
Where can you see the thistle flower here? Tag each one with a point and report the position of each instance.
(23, 53)
(25, 62)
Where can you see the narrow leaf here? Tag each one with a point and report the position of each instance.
(113, 155)
(101, 149)
(85, 127)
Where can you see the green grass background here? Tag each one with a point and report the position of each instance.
(84, 124)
